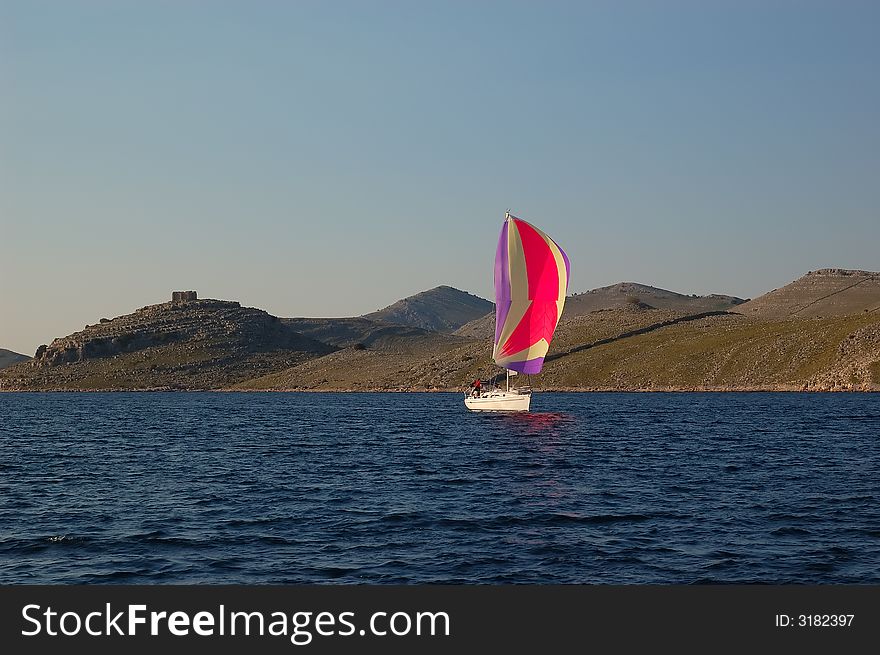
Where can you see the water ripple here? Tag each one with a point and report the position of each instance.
(410, 488)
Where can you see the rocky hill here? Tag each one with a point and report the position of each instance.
(632, 348)
(200, 344)
(692, 343)
(632, 293)
(373, 356)
(618, 296)
(726, 351)
(8, 358)
(826, 292)
(480, 328)
(442, 309)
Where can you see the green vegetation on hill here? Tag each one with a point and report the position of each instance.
(730, 351)
(632, 349)
(605, 350)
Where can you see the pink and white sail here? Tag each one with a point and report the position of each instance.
(531, 280)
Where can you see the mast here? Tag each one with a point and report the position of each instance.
(507, 370)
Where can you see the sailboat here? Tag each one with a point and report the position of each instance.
(531, 280)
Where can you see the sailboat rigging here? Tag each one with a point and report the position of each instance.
(531, 281)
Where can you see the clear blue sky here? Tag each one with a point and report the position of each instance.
(327, 158)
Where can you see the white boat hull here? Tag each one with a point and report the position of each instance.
(499, 401)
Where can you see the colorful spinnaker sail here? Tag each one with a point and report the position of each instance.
(531, 280)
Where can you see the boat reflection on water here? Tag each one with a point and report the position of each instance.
(530, 424)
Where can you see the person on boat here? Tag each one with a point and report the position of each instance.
(477, 388)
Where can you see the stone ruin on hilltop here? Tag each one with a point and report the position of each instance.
(184, 296)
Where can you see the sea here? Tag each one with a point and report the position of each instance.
(410, 488)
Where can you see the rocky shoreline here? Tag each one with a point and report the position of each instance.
(780, 388)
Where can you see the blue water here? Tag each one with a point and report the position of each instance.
(411, 488)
